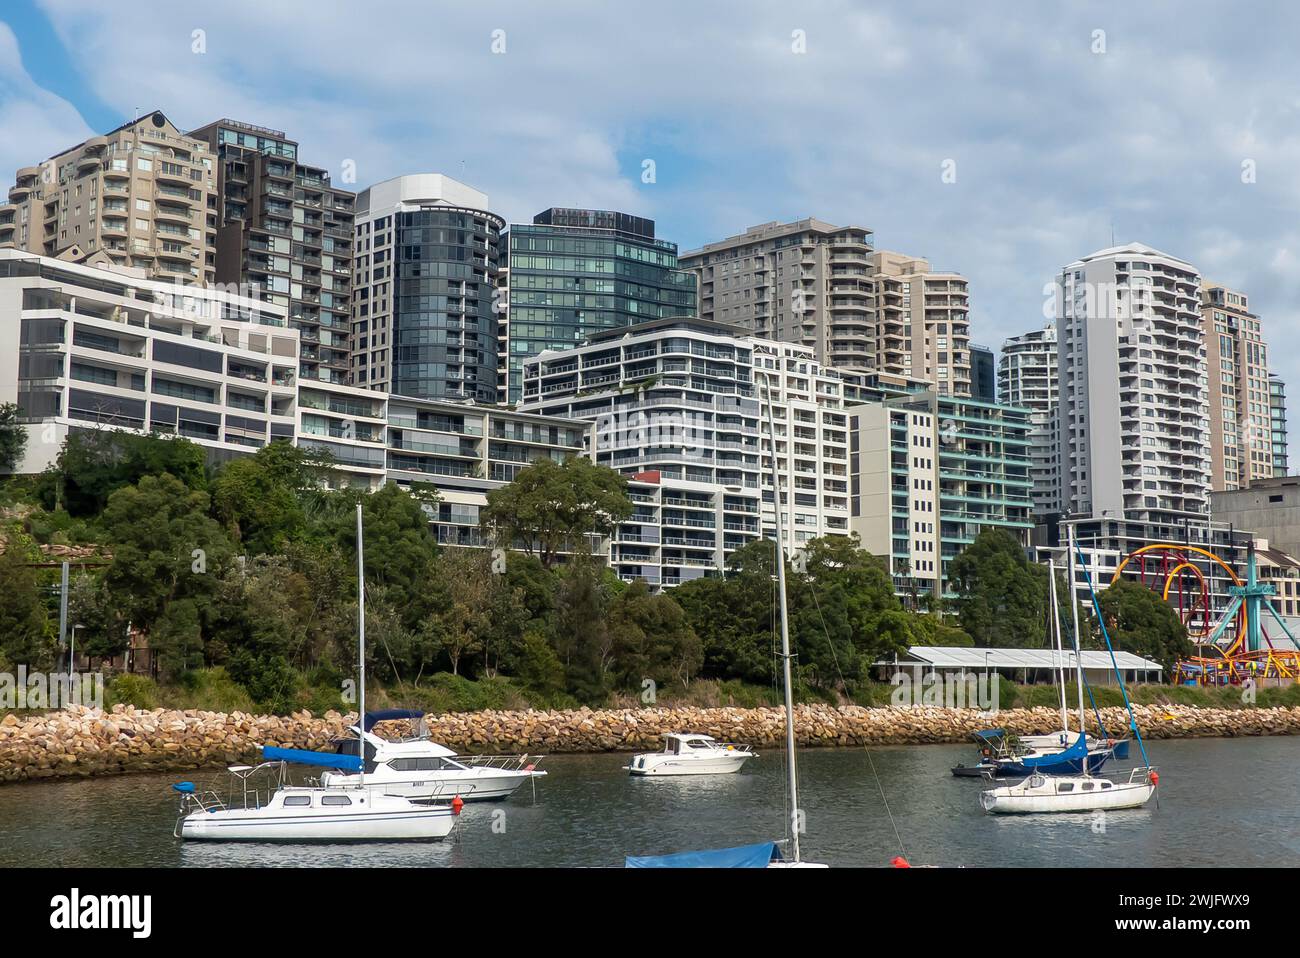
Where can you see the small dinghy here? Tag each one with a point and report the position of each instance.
(1054, 793)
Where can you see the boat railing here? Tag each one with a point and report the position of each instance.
(510, 763)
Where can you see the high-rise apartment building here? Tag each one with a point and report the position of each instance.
(1133, 410)
(137, 196)
(1277, 418)
(983, 373)
(826, 287)
(804, 282)
(1027, 373)
(575, 273)
(680, 407)
(929, 474)
(284, 234)
(423, 318)
(1241, 440)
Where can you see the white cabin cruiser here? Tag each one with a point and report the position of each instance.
(418, 768)
(691, 754)
(276, 811)
(1055, 793)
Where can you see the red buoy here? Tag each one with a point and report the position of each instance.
(898, 861)
(457, 804)
(1155, 778)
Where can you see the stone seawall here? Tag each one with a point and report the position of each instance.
(83, 742)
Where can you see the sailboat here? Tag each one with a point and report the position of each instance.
(1060, 753)
(1042, 792)
(262, 806)
(763, 854)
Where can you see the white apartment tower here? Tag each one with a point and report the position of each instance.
(1133, 411)
(1027, 378)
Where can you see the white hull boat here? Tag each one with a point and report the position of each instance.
(314, 814)
(421, 769)
(1054, 793)
(689, 754)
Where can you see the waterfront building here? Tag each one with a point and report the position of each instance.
(574, 273)
(1133, 414)
(826, 287)
(465, 451)
(1240, 403)
(423, 322)
(1027, 377)
(930, 473)
(285, 234)
(89, 348)
(1277, 420)
(678, 405)
(136, 196)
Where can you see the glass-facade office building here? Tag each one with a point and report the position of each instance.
(574, 273)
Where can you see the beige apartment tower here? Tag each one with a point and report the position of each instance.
(1241, 440)
(826, 287)
(136, 196)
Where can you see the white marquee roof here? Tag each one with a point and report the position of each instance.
(955, 657)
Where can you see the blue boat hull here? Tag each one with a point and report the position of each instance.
(1063, 764)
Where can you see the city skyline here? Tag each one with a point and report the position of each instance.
(1005, 204)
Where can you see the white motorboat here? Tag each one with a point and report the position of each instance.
(280, 812)
(691, 754)
(1056, 793)
(416, 767)
(766, 854)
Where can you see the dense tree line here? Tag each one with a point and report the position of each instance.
(251, 567)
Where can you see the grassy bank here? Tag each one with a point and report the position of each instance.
(212, 689)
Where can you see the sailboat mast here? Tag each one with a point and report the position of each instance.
(1078, 643)
(1055, 626)
(785, 626)
(361, 648)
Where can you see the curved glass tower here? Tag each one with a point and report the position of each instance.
(423, 319)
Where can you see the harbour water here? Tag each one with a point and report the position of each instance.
(1222, 802)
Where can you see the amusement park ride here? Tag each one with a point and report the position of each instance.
(1235, 646)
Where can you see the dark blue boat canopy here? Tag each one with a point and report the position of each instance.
(388, 715)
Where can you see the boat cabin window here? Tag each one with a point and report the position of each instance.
(291, 800)
(335, 800)
(1064, 787)
(1105, 784)
(1086, 786)
(416, 764)
(673, 745)
(698, 743)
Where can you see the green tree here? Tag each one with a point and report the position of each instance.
(102, 631)
(735, 616)
(166, 550)
(1001, 595)
(92, 465)
(845, 615)
(26, 633)
(13, 437)
(259, 499)
(1141, 622)
(580, 627)
(552, 508)
(652, 639)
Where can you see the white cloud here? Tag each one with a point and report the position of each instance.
(35, 124)
(1054, 143)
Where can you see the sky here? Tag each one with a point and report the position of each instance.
(999, 139)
